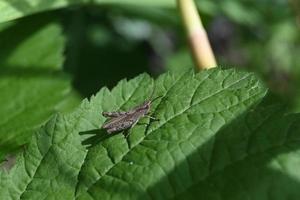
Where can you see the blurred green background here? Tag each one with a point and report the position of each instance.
(111, 42)
(106, 42)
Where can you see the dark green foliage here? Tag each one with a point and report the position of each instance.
(222, 134)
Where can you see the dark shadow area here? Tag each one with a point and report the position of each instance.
(93, 137)
(97, 55)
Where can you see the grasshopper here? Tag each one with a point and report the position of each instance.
(122, 120)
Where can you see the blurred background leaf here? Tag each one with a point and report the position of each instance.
(32, 83)
(13, 9)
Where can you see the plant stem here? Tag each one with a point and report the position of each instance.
(203, 55)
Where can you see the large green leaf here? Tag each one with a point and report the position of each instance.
(211, 142)
(32, 83)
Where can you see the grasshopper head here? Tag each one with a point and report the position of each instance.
(147, 104)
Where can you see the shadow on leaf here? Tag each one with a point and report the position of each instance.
(94, 137)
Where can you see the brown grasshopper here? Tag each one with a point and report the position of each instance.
(121, 120)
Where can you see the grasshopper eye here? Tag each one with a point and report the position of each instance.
(147, 105)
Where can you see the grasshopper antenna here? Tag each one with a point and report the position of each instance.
(152, 93)
(151, 96)
(156, 98)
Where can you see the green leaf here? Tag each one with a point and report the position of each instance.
(13, 9)
(256, 156)
(32, 83)
(209, 135)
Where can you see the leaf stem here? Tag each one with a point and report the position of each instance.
(203, 55)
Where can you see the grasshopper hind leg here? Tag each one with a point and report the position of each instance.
(121, 126)
(113, 114)
(151, 117)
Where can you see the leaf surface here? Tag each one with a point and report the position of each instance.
(212, 141)
(32, 83)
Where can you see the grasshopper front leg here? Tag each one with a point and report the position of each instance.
(152, 117)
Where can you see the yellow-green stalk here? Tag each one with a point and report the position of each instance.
(203, 55)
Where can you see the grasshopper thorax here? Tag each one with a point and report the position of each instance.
(145, 107)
